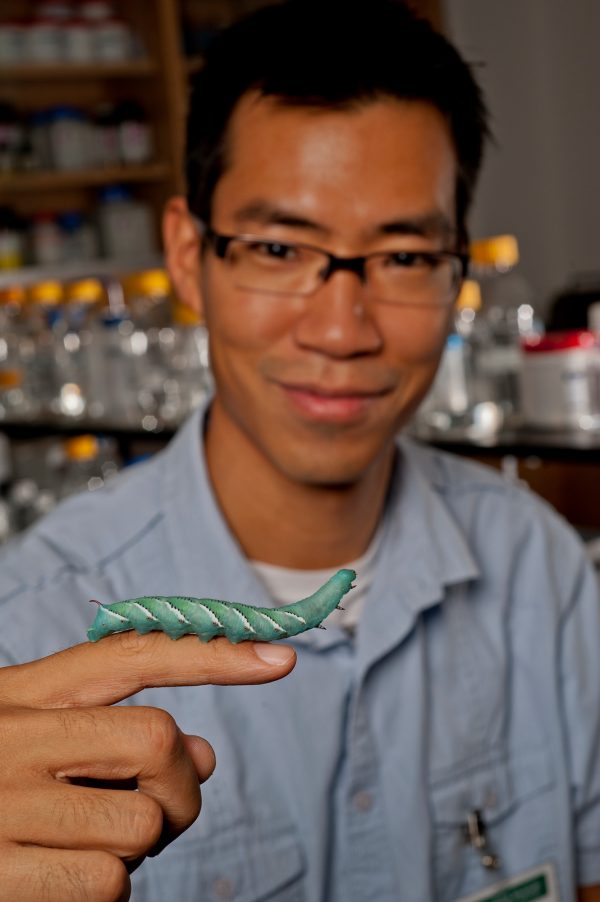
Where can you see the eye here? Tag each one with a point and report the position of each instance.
(412, 260)
(274, 250)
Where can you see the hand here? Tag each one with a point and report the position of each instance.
(66, 834)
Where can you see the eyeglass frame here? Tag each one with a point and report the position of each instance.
(357, 265)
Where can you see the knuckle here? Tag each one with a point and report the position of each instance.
(129, 643)
(107, 878)
(161, 733)
(146, 823)
(139, 650)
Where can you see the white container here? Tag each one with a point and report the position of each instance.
(78, 41)
(135, 139)
(44, 41)
(560, 381)
(113, 40)
(12, 41)
(47, 239)
(96, 10)
(53, 9)
(126, 225)
(594, 317)
(12, 253)
(69, 136)
(80, 237)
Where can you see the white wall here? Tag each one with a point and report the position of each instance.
(541, 74)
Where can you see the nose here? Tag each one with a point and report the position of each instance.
(337, 319)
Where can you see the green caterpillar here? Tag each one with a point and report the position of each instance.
(208, 618)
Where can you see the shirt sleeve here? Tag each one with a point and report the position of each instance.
(580, 685)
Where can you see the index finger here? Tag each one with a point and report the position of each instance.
(118, 666)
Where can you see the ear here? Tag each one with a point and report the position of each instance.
(182, 240)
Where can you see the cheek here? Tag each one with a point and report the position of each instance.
(242, 321)
(416, 338)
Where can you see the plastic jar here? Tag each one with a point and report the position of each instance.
(96, 10)
(69, 138)
(113, 40)
(126, 225)
(134, 133)
(12, 41)
(80, 237)
(78, 41)
(47, 240)
(44, 41)
(594, 317)
(57, 10)
(560, 380)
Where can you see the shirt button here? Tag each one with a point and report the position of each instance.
(223, 889)
(363, 800)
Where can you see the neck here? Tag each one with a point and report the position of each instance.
(280, 521)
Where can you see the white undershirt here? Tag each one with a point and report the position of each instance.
(286, 585)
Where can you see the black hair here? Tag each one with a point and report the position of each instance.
(336, 54)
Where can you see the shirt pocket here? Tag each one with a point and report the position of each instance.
(245, 863)
(517, 804)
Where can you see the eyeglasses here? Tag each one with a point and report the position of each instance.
(408, 278)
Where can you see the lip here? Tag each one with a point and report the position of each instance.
(331, 405)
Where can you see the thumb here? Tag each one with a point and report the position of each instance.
(118, 666)
(202, 754)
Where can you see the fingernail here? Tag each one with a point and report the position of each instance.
(273, 654)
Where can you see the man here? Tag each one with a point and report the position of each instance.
(441, 736)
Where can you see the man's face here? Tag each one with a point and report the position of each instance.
(320, 385)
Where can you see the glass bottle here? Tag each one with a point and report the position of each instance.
(509, 315)
(43, 310)
(73, 336)
(14, 401)
(82, 467)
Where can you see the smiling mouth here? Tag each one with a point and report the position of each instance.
(333, 393)
(340, 405)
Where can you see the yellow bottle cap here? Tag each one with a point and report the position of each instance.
(85, 291)
(149, 283)
(12, 294)
(184, 315)
(500, 251)
(10, 379)
(82, 447)
(49, 292)
(469, 296)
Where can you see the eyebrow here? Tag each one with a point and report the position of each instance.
(435, 224)
(265, 213)
(432, 224)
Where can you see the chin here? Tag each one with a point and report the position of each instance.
(327, 467)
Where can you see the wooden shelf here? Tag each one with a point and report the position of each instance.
(142, 68)
(18, 182)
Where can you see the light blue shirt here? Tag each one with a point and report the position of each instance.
(473, 682)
